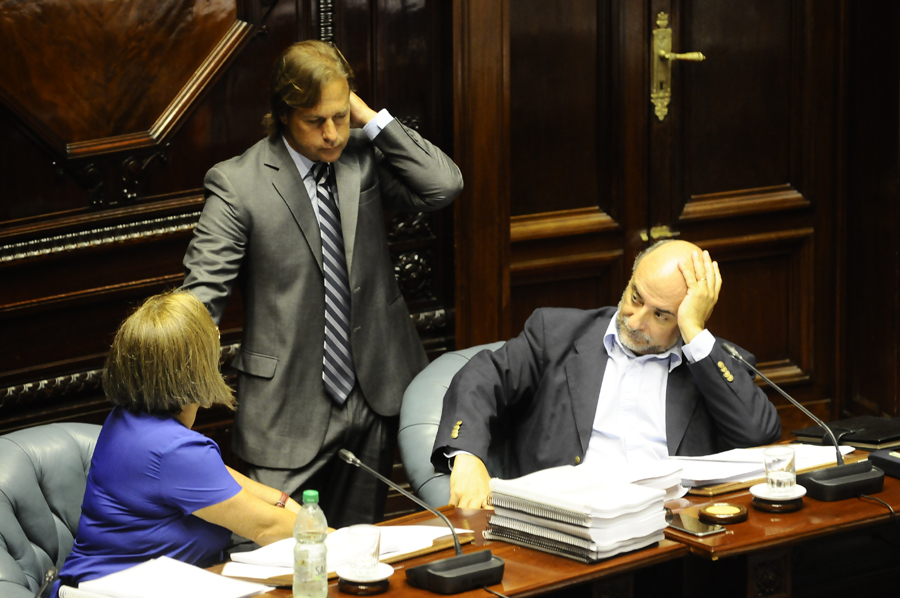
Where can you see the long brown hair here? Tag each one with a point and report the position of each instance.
(165, 356)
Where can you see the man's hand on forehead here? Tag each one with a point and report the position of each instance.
(704, 282)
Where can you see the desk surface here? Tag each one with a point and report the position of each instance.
(527, 572)
(531, 573)
(763, 531)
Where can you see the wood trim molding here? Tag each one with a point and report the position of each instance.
(743, 202)
(800, 363)
(481, 149)
(562, 267)
(172, 117)
(137, 287)
(782, 372)
(560, 224)
(774, 237)
(81, 390)
(95, 237)
(83, 218)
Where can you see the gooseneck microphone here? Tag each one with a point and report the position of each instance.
(49, 577)
(833, 483)
(452, 575)
(734, 353)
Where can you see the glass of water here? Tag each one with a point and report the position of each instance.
(781, 474)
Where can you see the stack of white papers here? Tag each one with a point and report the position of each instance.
(571, 511)
(163, 577)
(278, 558)
(743, 465)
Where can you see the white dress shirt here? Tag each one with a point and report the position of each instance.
(630, 421)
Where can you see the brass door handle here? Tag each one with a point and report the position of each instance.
(658, 233)
(689, 56)
(661, 73)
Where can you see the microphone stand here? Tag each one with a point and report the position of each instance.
(832, 483)
(452, 575)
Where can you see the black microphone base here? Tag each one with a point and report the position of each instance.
(458, 573)
(842, 481)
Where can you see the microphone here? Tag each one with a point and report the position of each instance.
(49, 577)
(452, 575)
(833, 483)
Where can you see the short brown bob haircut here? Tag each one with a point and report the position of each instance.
(298, 77)
(165, 357)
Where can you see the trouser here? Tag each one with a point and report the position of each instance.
(347, 494)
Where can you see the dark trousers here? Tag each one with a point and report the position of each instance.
(347, 494)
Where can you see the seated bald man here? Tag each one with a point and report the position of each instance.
(624, 384)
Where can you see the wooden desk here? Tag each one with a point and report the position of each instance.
(825, 549)
(531, 572)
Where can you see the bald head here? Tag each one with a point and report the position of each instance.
(647, 320)
(658, 266)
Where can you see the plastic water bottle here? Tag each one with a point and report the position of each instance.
(310, 566)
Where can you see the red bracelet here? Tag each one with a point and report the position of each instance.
(282, 501)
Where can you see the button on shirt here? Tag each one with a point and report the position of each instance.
(630, 421)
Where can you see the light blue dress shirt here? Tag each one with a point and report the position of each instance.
(630, 421)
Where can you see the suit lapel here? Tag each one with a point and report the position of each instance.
(680, 404)
(584, 374)
(346, 171)
(287, 182)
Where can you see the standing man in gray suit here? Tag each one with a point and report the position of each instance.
(328, 345)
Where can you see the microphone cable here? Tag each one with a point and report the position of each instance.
(893, 516)
(487, 589)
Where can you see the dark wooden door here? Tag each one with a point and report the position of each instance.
(745, 165)
(566, 153)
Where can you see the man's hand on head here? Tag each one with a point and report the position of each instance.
(704, 282)
(360, 113)
(469, 483)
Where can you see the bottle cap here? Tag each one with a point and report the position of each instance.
(310, 496)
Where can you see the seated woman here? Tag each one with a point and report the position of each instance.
(156, 487)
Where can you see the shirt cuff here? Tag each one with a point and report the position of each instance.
(377, 124)
(700, 347)
(451, 455)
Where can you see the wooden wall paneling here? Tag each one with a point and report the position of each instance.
(872, 289)
(408, 65)
(481, 144)
(555, 86)
(398, 52)
(567, 243)
(74, 266)
(777, 327)
(748, 152)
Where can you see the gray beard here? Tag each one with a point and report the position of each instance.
(627, 336)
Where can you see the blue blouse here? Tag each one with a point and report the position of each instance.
(148, 474)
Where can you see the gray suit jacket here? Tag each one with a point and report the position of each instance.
(530, 405)
(258, 221)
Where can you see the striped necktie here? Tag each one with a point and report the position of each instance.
(338, 375)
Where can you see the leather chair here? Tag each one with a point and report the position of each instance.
(420, 416)
(43, 472)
